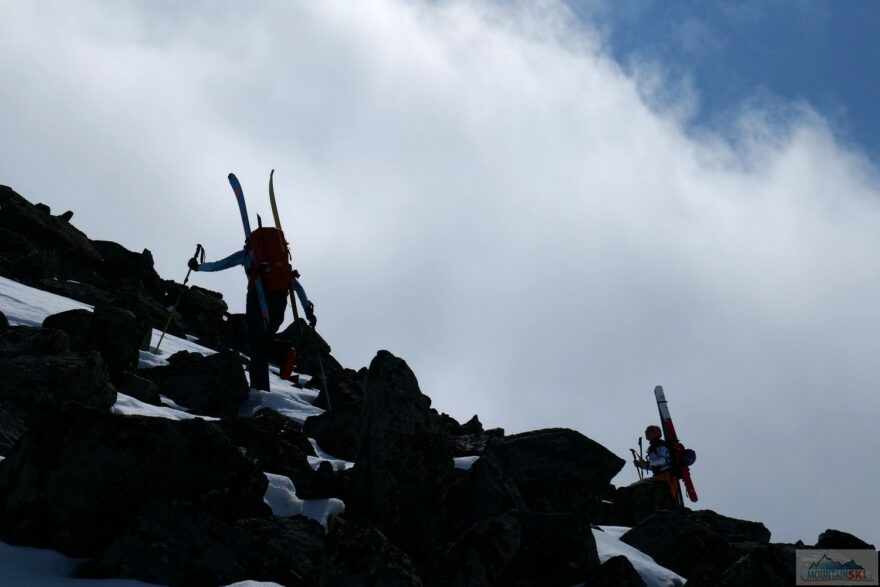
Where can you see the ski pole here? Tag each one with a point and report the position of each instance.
(635, 458)
(200, 255)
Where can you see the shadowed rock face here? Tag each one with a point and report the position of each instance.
(556, 470)
(213, 385)
(405, 463)
(37, 372)
(680, 539)
(635, 503)
(172, 544)
(617, 571)
(79, 477)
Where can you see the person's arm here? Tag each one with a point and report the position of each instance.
(235, 259)
(308, 306)
(659, 459)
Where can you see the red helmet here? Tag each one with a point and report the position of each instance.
(653, 432)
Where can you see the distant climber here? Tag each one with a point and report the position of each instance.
(276, 291)
(659, 461)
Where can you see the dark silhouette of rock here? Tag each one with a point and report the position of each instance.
(772, 565)
(483, 492)
(234, 335)
(140, 388)
(521, 548)
(13, 425)
(80, 476)
(171, 544)
(326, 482)
(841, 540)
(4, 323)
(213, 385)
(718, 558)
(37, 244)
(116, 333)
(555, 549)
(617, 571)
(556, 470)
(121, 265)
(680, 539)
(38, 371)
(338, 431)
(480, 555)
(274, 443)
(404, 463)
(358, 554)
(636, 502)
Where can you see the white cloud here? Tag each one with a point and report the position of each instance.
(483, 191)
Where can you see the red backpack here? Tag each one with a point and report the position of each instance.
(272, 257)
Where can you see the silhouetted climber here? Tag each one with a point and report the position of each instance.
(659, 461)
(276, 291)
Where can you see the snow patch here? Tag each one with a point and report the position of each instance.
(281, 498)
(465, 463)
(293, 402)
(337, 463)
(609, 545)
(26, 306)
(128, 406)
(21, 565)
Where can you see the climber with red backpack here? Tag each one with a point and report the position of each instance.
(266, 259)
(660, 461)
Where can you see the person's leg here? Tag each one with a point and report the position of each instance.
(258, 367)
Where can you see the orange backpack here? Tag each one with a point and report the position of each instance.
(272, 257)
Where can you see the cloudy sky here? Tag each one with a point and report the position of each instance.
(545, 208)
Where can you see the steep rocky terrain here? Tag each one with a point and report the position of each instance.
(427, 501)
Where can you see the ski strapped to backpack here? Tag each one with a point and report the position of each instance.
(682, 458)
(258, 284)
(291, 287)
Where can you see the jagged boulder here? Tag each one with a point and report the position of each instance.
(556, 469)
(404, 463)
(483, 492)
(78, 478)
(841, 540)
(39, 371)
(275, 444)
(521, 548)
(680, 539)
(4, 323)
(172, 544)
(617, 571)
(358, 554)
(36, 244)
(338, 431)
(121, 265)
(213, 385)
(140, 388)
(116, 333)
(771, 565)
(636, 502)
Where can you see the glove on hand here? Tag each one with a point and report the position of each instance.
(310, 315)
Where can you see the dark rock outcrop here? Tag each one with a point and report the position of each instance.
(4, 323)
(171, 544)
(634, 503)
(617, 571)
(213, 385)
(404, 464)
(358, 554)
(39, 372)
(140, 388)
(80, 476)
(556, 470)
(338, 431)
(680, 539)
(772, 565)
(521, 548)
(275, 444)
(841, 540)
(116, 333)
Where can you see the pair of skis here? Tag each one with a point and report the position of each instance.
(681, 458)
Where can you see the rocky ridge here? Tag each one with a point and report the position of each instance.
(181, 502)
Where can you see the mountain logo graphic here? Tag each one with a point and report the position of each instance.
(827, 563)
